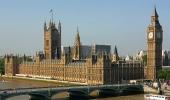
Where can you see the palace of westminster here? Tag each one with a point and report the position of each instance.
(87, 64)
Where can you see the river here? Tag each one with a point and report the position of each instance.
(20, 83)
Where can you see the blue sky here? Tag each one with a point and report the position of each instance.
(115, 22)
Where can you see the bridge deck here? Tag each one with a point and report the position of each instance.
(50, 91)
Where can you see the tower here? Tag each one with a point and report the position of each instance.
(77, 47)
(154, 50)
(11, 65)
(52, 41)
(115, 57)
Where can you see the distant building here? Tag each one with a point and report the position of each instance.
(140, 55)
(128, 58)
(168, 58)
(165, 58)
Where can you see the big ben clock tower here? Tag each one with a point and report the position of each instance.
(154, 50)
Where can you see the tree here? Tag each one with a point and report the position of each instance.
(164, 74)
(144, 58)
(168, 75)
(2, 66)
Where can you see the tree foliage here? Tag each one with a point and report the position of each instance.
(2, 66)
(168, 75)
(144, 58)
(164, 74)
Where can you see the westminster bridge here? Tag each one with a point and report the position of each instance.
(47, 93)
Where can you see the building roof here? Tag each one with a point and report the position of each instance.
(155, 12)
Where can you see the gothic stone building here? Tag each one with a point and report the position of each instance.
(97, 68)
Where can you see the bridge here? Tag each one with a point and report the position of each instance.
(47, 93)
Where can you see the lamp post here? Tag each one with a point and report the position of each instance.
(118, 75)
(122, 73)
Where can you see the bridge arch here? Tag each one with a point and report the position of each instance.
(38, 96)
(137, 87)
(9, 96)
(131, 90)
(102, 92)
(19, 96)
(68, 93)
(56, 95)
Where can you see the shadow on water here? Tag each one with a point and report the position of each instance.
(130, 97)
(73, 98)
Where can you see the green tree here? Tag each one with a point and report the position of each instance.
(2, 66)
(168, 74)
(144, 58)
(162, 74)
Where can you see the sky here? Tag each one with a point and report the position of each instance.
(115, 22)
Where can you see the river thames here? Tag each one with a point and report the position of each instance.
(20, 83)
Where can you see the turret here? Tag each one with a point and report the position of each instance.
(69, 54)
(52, 41)
(59, 27)
(39, 56)
(11, 65)
(115, 56)
(77, 47)
(45, 26)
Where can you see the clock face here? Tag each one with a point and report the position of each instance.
(158, 35)
(150, 36)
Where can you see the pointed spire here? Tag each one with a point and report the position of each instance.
(77, 30)
(115, 55)
(24, 57)
(59, 27)
(77, 47)
(155, 12)
(115, 51)
(59, 23)
(45, 26)
(50, 23)
(78, 36)
(69, 50)
(154, 18)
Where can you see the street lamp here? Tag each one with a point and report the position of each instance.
(118, 75)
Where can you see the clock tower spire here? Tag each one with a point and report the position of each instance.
(154, 50)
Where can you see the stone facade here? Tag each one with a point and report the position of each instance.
(94, 70)
(127, 70)
(52, 41)
(97, 68)
(11, 65)
(77, 49)
(154, 41)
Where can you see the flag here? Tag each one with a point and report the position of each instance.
(51, 10)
